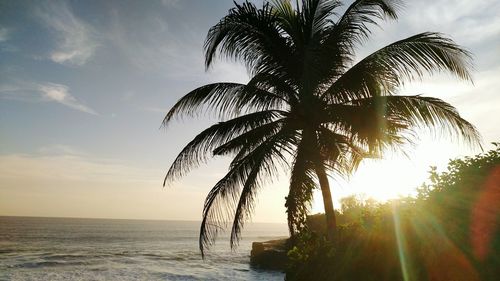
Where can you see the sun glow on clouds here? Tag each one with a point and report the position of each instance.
(61, 180)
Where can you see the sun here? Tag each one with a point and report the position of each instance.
(377, 179)
(395, 175)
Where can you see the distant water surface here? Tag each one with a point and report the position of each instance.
(102, 249)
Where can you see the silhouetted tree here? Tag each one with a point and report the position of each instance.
(308, 106)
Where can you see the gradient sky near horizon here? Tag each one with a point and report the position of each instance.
(84, 86)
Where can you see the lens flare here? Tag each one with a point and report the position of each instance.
(421, 240)
(401, 243)
(485, 214)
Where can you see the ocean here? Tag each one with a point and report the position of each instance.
(104, 249)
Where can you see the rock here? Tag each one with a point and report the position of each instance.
(270, 254)
(273, 254)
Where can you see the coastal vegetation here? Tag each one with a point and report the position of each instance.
(311, 107)
(448, 231)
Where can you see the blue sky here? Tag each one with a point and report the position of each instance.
(84, 86)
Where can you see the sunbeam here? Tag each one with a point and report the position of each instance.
(400, 240)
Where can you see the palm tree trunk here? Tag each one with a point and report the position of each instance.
(331, 221)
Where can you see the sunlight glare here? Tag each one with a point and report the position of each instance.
(396, 175)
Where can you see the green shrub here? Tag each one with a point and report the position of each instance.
(450, 231)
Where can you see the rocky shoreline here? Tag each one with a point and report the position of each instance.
(270, 254)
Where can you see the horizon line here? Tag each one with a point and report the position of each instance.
(132, 219)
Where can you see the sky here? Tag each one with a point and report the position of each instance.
(84, 86)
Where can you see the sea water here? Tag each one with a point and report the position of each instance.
(102, 249)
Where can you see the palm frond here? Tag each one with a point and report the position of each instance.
(316, 15)
(339, 152)
(332, 50)
(405, 60)
(287, 147)
(277, 84)
(249, 139)
(367, 126)
(264, 170)
(224, 198)
(250, 34)
(289, 21)
(227, 99)
(196, 151)
(386, 122)
(302, 184)
(426, 113)
(353, 26)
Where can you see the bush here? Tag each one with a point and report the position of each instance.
(448, 232)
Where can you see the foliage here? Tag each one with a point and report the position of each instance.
(308, 107)
(450, 231)
(462, 175)
(310, 252)
(466, 198)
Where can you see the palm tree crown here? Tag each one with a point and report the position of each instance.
(309, 104)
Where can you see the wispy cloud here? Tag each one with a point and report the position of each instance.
(153, 45)
(63, 162)
(43, 92)
(58, 183)
(149, 45)
(76, 41)
(469, 22)
(60, 149)
(4, 34)
(170, 3)
(60, 93)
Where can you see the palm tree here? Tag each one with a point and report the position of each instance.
(309, 104)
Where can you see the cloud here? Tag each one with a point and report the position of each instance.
(66, 163)
(476, 102)
(43, 92)
(170, 3)
(60, 93)
(479, 104)
(76, 42)
(4, 34)
(60, 149)
(153, 45)
(149, 45)
(57, 183)
(474, 25)
(470, 22)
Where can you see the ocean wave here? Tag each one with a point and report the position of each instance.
(105, 250)
(175, 276)
(40, 264)
(8, 251)
(68, 256)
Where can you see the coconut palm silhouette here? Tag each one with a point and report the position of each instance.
(308, 106)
